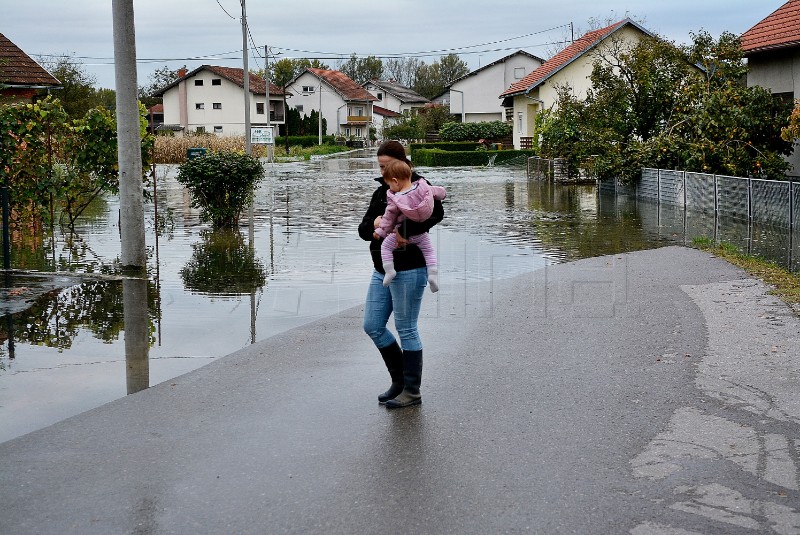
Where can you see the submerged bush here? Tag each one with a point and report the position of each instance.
(221, 184)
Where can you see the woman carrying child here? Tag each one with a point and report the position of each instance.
(403, 296)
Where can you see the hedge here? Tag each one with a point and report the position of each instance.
(451, 145)
(446, 158)
(304, 141)
(474, 131)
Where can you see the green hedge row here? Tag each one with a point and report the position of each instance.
(446, 158)
(474, 131)
(304, 141)
(452, 145)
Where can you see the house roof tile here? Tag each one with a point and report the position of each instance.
(565, 57)
(403, 93)
(384, 112)
(257, 84)
(343, 84)
(17, 69)
(781, 29)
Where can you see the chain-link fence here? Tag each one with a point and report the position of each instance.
(770, 202)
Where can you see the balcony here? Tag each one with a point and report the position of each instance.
(358, 119)
(276, 117)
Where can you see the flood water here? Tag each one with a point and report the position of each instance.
(297, 259)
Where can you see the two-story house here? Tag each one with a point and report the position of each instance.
(345, 105)
(572, 66)
(772, 49)
(21, 78)
(395, 97)
(211, 99)
(473, 97)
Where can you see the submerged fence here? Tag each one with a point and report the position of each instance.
(771, 202)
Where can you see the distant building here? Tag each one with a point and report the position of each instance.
(21, 78)
(395, 97)
(477, 91)
(345, 105)
(772, 49)
(210, 99)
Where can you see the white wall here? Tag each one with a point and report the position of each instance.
(481, 90)
(228, 94)
(388, 101)
(331, 100)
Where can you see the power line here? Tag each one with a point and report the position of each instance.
(226, 11)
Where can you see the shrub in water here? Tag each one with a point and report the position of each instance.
(221, 184)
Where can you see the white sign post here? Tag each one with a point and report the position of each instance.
(263, 135)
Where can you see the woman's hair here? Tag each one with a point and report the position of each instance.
(397, 169)
(395, 150)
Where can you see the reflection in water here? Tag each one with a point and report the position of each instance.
(498, 224)
(223, 264)
(137, 334)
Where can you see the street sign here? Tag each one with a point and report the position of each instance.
(263, 135)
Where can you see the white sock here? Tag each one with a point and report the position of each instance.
(433, 278)
(388, 268)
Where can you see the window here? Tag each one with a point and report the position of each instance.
(359, 111)
(217, 129)
(200, 130)
(200, 106)
(519, 122)
(198, 82)
(308, 89)
(380, 96)
(216, 81)
(519, 73)
(260, 108)
(347, 132)
(217, 105)
(358, 132)
(299, 108)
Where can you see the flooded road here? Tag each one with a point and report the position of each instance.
(297, 259)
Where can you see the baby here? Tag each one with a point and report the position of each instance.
(412, 200)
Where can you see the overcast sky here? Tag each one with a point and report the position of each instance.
(196, 32)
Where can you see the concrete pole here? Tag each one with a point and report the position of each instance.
(248, 148)
(129, 141)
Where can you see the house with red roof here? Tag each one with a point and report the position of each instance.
(772, 49)
(210, 99)
(345, 105)
(572, 67)
(21, 78)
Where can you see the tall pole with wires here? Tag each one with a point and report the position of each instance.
(248, 148)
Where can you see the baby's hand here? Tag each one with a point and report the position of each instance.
(375, 235)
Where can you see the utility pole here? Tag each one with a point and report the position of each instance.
(248, 148)
(129, 142)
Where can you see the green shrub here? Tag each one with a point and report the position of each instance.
(221, 184)
(475, 131)
(450, 145)
(304, 141)
(445, 158)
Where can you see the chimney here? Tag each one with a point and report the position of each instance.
(181, 72)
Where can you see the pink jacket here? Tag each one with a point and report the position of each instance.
(415, 204)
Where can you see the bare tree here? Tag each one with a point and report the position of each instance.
(401, 70)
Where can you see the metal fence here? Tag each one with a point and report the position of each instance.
(770, 202)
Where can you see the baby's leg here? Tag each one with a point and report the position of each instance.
(425, 244)
(387, 256)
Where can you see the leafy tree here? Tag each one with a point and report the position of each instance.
(78, 94)
(362, 70)
(158, 79)
(658, 105)
(431, 80)
(401, 70)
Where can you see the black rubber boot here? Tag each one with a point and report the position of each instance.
(393, 357)
(412, 375)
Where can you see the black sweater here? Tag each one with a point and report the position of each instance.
(405, 258)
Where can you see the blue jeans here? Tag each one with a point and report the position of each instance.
(404, 298)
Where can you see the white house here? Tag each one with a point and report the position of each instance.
(474, 96)
(345, 105)
(395, 97)
(572, 66)
(211, 99)
(772, 49)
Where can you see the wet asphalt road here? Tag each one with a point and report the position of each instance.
(646, 393)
